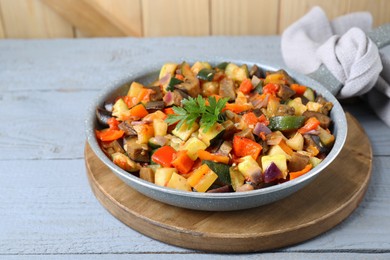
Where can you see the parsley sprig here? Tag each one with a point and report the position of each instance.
(196, 108)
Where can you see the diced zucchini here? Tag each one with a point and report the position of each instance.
(250, 169)
(152, 143)
(299, 108)
(184, 132)
(285, 123)
(178, 182)
(279, 160)
(135, 89)
(125, 162)
(163, 175)
(236, 177)
(327, 139)
(175, 142)
(120, 109)
(202, 178)
(168, 68)
(296, 142)
(209, 135)
(206, 74)
(309, 94)
(222, 170)
(172, 83)
(222, 65)
(199, 65)
(315, 161)
(193, 145)
(237, 73)
(160, 127)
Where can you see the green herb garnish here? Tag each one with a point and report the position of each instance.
(194, 108)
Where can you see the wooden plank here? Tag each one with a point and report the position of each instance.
(32, 19)
(290, 11)
(2, 35)
(380, 9)
(245, 17)
(175, 17)
(321, 205)
(129, 11)
(207, 256)
(91, 18)
(47, 207)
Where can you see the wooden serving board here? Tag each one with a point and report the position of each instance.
(318, 207)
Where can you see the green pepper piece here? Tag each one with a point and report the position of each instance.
(286, 123)
(206, 74)
(172, 83)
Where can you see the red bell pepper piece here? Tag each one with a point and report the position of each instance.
(243, 146)
(109, 134)
(164, 156)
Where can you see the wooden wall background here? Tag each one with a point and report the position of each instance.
(153, 18)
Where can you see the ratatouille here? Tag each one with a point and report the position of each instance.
(216, 129)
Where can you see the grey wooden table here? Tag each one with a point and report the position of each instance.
(47, 209)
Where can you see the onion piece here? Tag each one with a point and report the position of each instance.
(261, 128)
(272, 173)
(160, 140)
(168, 98)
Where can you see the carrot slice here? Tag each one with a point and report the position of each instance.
(296, 174)
(204, 155)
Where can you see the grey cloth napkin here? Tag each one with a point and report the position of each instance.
(345, 54)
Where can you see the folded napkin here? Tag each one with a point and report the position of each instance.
(345, 54)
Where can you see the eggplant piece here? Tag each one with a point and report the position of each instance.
(147, 174)
(314, 141)
(297, 162)
(247, 133)
(256, 71)
(136, 151)
(156, 95)
(287, 77)
(245, 187)
(226, 89)
(225, 188)
(326, 105)
(285, 92)
(285, 110)
(322, 148)
(127, 128)
(154, 105)
(110, 148)
(102, 116)
(324, 119)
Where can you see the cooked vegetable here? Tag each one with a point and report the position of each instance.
(285, 123)
(216, 129)
(221, 169)
(164, 156)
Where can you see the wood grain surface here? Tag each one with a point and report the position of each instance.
(47, 208)
(313, 210)
(154, 18)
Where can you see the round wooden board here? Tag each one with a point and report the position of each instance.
(321, 205)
